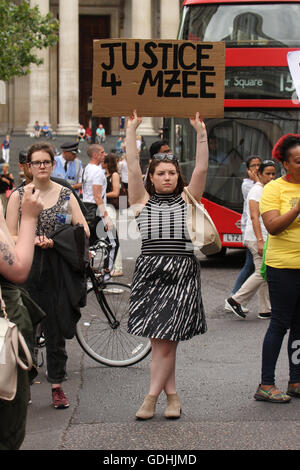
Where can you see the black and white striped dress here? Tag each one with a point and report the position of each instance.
(165, 299)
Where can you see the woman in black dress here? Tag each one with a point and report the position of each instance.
(165, 303)
(42, 282)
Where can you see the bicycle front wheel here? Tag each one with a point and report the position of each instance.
(107, 345)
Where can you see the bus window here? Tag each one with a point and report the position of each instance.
(242, 25)
(247, 27)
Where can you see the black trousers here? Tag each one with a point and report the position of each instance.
(284, 289)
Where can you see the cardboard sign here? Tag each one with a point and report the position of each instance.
(158, 78)
(293, 58)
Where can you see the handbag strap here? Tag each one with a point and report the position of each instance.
(20, 339)
(26, 351)
(185, 189)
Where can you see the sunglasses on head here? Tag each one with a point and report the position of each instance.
(165, 156)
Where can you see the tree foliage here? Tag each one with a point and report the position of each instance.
(23, 31)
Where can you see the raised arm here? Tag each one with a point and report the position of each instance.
(136, 189)
(16, 259)
(198, 179)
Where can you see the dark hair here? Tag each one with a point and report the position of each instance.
(155, 147)
(153, 164)
(252, 157)
(265, 164)
(22, 157)
(112, 163)
(42, 146)
(283, 146)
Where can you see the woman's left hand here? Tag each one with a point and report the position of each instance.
(44, 242)
(198, 125)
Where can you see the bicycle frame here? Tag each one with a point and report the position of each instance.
(98, 289)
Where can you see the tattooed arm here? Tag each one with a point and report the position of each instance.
(16, 259)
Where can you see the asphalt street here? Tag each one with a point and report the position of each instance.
(217, 376)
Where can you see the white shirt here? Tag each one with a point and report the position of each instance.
(247, 184)
(81, 131)
(124, 171)
(93, 175)
(254, 195)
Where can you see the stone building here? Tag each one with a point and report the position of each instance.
(59, 91)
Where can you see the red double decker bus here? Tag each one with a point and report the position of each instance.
(260, 102)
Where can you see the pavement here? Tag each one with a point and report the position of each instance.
(217, 376)
(23, 142)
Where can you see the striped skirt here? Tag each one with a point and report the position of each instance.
(165, 300)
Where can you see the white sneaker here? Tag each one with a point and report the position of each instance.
(228, 309)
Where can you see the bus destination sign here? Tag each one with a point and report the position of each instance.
(258, 83)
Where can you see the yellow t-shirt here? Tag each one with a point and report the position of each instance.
(283, 249)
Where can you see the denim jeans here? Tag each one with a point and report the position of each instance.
(284, 289)
(245, 272)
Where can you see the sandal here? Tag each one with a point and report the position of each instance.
(116, 273)
(294, 390)
(272, 395)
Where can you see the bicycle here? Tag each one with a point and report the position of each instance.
(102, 328)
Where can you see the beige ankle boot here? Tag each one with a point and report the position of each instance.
(147, 409)
(173, 409)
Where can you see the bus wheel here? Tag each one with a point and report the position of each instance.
(220, 254)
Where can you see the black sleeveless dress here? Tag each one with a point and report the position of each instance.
(165, 299)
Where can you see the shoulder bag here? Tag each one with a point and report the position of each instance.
(202, 230)
(10, 338)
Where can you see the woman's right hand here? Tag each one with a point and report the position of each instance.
(252, 174)
(31, 202)
(260, 247)
(134, 121)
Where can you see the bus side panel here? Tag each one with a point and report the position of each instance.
(227, 222)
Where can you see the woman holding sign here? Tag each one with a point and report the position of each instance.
(165, 303)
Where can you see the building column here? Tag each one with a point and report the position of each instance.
(169, 19)
(141, 28)
(68, 68)
(39, 95)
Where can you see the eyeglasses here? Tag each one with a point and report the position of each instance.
(38, 163)
(165, 156)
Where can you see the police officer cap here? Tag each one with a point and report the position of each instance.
(22, 157)
(70, 147)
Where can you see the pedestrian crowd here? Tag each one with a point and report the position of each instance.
(165, 302)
